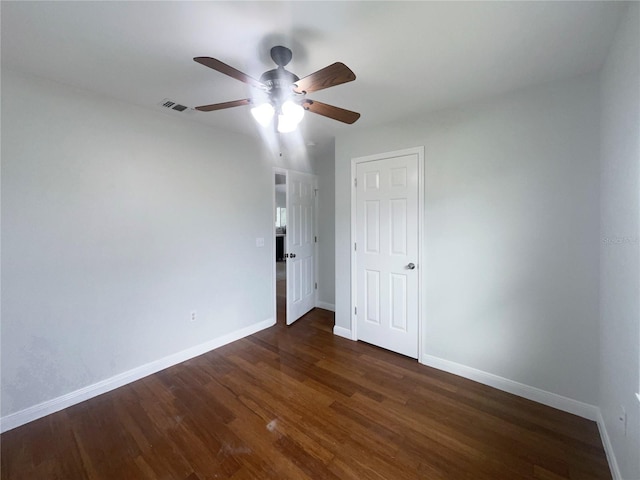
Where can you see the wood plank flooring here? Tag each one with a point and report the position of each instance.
(299, 403)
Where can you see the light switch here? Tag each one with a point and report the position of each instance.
(260, 242)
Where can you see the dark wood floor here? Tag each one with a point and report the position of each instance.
(299, 403)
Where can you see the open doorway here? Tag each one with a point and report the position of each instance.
(280, 216)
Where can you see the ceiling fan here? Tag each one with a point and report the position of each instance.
(284, 93)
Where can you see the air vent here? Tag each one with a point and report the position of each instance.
(170, 104)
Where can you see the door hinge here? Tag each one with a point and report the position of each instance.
(315, 192)
(355, 182)
(355, 246)
(315, 238)
(316, 285)
(355, 310)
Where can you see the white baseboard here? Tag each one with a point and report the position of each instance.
(327, 306)
(554, 400)
(565, 404)
(342, 332)
(608, 448)
(48, 407)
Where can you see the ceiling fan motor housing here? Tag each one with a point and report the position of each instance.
(279, 82)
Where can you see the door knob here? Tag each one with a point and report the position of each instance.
(292, 255)
(411, 266)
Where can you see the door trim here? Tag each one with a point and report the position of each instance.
(419, 151)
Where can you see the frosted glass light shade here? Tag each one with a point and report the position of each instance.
(263, 114)
(292, 114)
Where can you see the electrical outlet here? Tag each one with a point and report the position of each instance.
(193, 316)
(622, 418)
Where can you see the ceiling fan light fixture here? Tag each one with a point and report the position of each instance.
(263, 114)
(291, 116)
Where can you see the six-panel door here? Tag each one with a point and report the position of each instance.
(387, 253)
(300, 244)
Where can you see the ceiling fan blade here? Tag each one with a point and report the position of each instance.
(336, 113)
(220, 106)
(330, 76)
(228, 70)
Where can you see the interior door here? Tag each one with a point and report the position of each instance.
(387, 253)
(300, 248)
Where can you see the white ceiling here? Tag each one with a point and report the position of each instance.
(409, 57)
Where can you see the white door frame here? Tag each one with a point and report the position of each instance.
(285, 172)
(421, 266)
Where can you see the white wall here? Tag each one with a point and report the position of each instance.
(620, 244)
(286, 151)
(325, 167)
(511, 235)
(117, 222)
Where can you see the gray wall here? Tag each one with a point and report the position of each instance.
(512, 237)
(117, 222)
(325, 167)
(620, 244)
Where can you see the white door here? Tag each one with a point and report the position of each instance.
(387, 193)
(300, 244)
